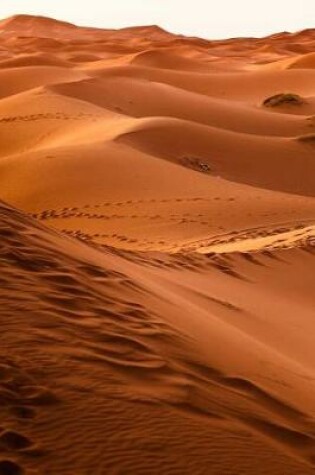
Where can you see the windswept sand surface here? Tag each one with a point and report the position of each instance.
(157, 230)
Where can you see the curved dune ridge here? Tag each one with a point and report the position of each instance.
(157, 229)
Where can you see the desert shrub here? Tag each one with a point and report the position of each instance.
(308, 138)
(196, 164)
(283, 99)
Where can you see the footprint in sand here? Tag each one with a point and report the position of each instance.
(8, 467)
(15, 441)
(23, 412)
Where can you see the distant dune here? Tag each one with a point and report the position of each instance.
(157, 228)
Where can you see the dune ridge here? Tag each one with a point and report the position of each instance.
(157, 229)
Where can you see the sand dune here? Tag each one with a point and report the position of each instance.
(157, 230)
(14, 82)
(168, 59)
(303, 61)
(182, 141)
(306, 61)
(33, 60)
(249, 86)
(139, 98)
(110, 359)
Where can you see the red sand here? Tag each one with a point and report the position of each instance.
(157, 285)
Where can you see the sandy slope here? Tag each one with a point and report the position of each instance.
(104, 370)
(177, 338)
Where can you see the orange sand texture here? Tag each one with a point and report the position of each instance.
(157, 230)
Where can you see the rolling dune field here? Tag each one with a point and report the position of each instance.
(157, 233)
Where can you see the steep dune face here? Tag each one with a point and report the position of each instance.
(156, 295)
(102, 349)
